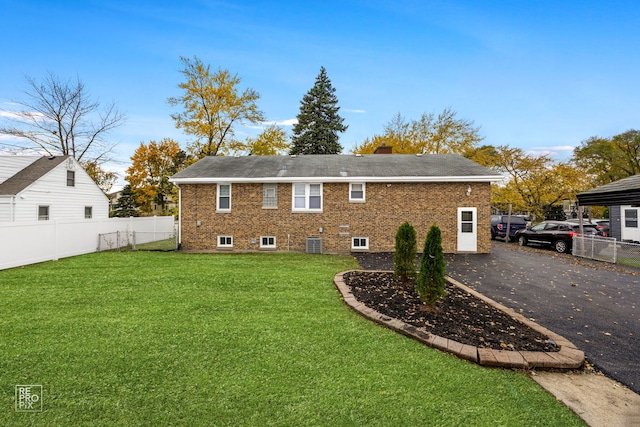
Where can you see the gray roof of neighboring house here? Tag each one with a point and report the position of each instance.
(623, 192)
(27, 176)
(336, 168)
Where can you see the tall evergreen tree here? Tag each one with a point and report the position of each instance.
(126, 205)
(431, 281)
(404, 257)
(318, 121)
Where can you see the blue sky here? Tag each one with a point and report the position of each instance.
(542, 76)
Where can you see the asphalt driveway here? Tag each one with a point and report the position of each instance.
(595, 305)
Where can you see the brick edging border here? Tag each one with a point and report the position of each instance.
(569, 356)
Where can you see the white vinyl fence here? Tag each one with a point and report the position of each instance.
(23, 243)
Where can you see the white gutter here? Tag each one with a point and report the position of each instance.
(331, 179)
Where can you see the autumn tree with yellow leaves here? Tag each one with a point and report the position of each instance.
(533, 184)
(430, 134)
(152, 166)
(609, 159)
(212, 106)
(103, 178)
(270, 142)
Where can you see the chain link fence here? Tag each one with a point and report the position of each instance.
(594, 247)
(138, 241)
(628, 253)
(607, 249)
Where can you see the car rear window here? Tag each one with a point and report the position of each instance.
(517, 220)
(584, 227)
(514, 219)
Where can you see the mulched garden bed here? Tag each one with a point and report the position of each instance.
(460, 316)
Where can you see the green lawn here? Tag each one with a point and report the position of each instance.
(628, 261)
(152, 338)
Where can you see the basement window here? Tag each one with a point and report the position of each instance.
(268, 242)
(225, 241)
(360, 243)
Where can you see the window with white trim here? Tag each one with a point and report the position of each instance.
(71, 179)
(224, 198)
(268, 242)
(360, 243)
(43, 213)
(631, 218)
(269, 196)
(88, 212)
(225, 241)
(307, 197)
(357, 192)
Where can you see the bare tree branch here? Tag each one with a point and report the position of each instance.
(59, 117)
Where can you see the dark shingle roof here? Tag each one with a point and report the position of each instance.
(393, 167)
(27, 176)
(623, 192)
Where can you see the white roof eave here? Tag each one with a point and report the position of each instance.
(327, 179)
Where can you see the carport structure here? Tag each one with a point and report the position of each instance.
(623, 192)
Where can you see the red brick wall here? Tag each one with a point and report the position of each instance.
(387, 206)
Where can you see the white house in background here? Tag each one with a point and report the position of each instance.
(48, 188)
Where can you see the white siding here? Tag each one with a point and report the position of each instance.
(630, 233)
(5, 208)
(65, 203)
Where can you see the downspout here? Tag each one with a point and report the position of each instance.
(179, 239)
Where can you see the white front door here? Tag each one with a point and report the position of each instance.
(467, 230)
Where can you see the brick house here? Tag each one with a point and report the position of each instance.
(333, 203)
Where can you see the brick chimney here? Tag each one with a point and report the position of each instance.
(384, 149)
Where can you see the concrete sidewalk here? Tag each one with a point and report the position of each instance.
(598, 400)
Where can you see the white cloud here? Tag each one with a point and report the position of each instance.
(21, 116)
(287, 122)
(559, 152)
(9, 114)
(556, 148)
(22, 152)
(352, 110)
(262, 125)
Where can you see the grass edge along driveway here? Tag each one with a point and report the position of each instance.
(144, 338)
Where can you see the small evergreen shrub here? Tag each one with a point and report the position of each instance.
(404, 267)
(430, 283)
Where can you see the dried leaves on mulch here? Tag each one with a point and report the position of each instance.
(460, 316)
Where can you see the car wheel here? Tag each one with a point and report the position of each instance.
(522, 241)
(561, 246)
(493, 236)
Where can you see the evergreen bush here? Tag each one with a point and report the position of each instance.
(430, 283)
(404, 257)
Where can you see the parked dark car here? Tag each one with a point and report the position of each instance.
(557, 234)
(499, 226)
(601, 224)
